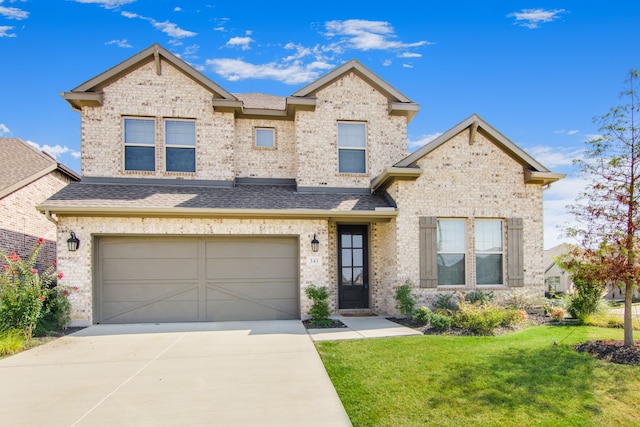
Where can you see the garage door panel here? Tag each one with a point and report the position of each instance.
(161, 311)
(150, 269)
(139, 292)
(116, 247)
(169, 279)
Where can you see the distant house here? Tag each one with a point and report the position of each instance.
(28, 177)
(556, 280)
(197, 204)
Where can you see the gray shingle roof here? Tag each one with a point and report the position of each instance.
(83, 195)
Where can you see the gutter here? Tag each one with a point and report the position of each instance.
(47, 214)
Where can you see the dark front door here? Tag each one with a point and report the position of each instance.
(353, 282)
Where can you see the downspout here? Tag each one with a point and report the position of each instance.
(47, 214)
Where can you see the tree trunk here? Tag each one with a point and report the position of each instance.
(628, 315)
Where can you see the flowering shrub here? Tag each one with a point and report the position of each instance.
(557, 314)
(24, 290)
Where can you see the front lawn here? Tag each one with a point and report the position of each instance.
(516, 379)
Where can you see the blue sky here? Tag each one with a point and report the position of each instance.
(538, 71)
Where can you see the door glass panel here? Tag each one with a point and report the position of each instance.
(346, 240)
(346, 258)
(357, 241)
(347, 277)
(357, 257)
(358, 276)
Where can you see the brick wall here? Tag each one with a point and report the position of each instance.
(21, 225)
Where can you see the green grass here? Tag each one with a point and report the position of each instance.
(11, 342)
(520, 379)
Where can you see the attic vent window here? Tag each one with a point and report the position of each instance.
(265, 137)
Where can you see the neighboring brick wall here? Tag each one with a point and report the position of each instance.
(21, 225)
(467, 181)
(143, 93)
(78, 266)
(261, 162)
(349, 98)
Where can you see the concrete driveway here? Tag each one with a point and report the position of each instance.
(186, 374)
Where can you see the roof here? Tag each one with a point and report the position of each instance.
(551, 253)
(535, 172)
(21, 164)
(183, 200)
(90, 92)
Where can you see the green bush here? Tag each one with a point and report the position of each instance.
(56, 312)
(479, 297)
(11, 341)
(447, 303)
(23, 291)
(484, 319)
(423, 316)
(405, 301)
(319, 311)
(440, 322)
(586, 301)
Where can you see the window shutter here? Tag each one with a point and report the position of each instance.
(428, 252)
(515, 252)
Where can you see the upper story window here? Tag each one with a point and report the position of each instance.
(451, 250)
(352, 149)
(180, 143)
(489, 252)
(139, 145)
(265, 137)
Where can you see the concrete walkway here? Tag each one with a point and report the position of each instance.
(362, 327)
(182, 374)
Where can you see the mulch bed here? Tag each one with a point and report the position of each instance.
(532, 320)
(611, 351)
(331, 323)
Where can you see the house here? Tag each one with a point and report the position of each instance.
(556, 280)
(28, 177)
(197, 204)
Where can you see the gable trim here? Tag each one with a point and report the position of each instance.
(28, 180)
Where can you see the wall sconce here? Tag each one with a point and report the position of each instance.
(315, 244)
(73, 243)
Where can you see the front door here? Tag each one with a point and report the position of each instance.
(353, 282)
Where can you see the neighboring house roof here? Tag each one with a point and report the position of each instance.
(90, 92)
(198, 199)
(21, 164)
(552, 253)
(535, 172)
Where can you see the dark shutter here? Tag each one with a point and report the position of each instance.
(428, 252)
(515, 252)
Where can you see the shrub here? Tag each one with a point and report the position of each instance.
(522, 299)
(440, 323)
(557, 314)
(11, 341)
(423, 316)
(479, 297)
(484, 319)
(405, 301)
(319, 311)
(56, 312)
(23, 291)
(447, 303)
(586, 300)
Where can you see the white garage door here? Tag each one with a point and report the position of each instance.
(184, 279)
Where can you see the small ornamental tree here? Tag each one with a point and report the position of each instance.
(607, 213)
(23, 290)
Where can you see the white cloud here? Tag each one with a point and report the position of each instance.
(4, 130)
(572, 131)
(107, 4)
(557, 217)
(4, 31)
(553, 157)
(242, 42)
(366, 35)
(567, 132)
(169, 28)
(295, 73)
(413, 145)
(13, 13)
(387, 62)
(410, 55)
(532, 18)
(177, 9)
(119, 43)
(591, 136)
(407, 65)
(55, 150)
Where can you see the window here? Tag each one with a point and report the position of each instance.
(451, 248)
(265, 137)
(489, 252)
(180, 141)
(139, 145)
(351, 148)
(553, 284)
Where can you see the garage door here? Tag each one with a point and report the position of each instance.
(184, 279)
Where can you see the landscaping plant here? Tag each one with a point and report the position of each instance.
(405, 301)
(23, 291)
(319, 311)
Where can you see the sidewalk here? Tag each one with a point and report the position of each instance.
(361, 327)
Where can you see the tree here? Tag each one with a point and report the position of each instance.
(607, 212)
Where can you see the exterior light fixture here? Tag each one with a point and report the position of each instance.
(315, 245)
(73, 243)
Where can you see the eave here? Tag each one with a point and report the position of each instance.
(77, 100)
(389, 175)
(542, 178)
